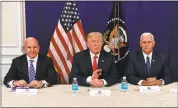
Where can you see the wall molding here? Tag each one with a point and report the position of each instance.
(14, 49)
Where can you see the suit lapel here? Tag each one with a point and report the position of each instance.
(25, 68)
(88, 62)
(101, 60)
(38, 67)
(142, 63)
(153, 62)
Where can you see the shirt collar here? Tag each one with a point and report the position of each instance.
(92, 55)
(145, 55)
(34, 59)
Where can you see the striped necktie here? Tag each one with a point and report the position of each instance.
(31, 71)
(148, 64)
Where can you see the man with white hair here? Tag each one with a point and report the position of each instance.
(31, 69)
(148, 67)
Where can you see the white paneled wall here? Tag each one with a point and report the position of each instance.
(13, 33)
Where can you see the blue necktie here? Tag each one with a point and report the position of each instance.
(148, 63)
(31, 71)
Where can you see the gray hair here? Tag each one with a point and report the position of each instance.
(147, 34)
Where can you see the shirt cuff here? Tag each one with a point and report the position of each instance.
(105, 83)
(88, 80)
(10, 83)
(45, 84)
(140, 82)
(162, 81)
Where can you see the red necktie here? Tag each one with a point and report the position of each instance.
(95, 66)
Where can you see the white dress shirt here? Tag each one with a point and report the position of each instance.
(88, 80)
(34, 64)
(145, 58)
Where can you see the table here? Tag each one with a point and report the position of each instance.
(62, 96)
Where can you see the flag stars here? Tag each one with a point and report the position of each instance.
(69, 3)
(69, 15)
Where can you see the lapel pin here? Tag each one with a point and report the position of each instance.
(153, 60)
(102, 60)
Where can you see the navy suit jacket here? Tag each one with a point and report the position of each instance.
(82, 67)
(137, 70)
(19, 70)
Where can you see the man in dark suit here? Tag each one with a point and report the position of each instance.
(93, 66)
(147, 67)
(31, 69)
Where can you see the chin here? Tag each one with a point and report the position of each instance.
(32, 56)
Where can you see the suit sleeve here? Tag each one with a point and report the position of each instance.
(113, 76)
(52, 74)
(130, 72)
(75, 72)
(12, 73)
(168, 78)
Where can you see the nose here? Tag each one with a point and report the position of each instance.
(96, 43)
(32, 49)
(146, 44)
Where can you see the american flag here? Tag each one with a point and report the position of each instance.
(68, 39)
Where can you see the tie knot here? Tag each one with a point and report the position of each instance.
(31, 61)
(148, 58)
(95, 57)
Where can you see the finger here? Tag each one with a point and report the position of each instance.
(21, 83)
(98, 70)
(99, 84)
(152, 83)
(31, 84)
(95, 83)
(17, 84)
(24, 83)
(37, 85)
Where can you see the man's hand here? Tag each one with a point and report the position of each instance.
(36, 84)
(156, 82)
(152, 81)
(20, 83)
(96, 74)
(97, 82)
(145, 83)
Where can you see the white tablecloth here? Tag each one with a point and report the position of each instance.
(62, 96)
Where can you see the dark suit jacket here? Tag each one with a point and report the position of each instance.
(137, 70)
(44, 70)
(82, 67)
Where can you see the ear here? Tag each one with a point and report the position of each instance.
(87, 43)
(23, 49)
(140, 44)
(154, 44)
